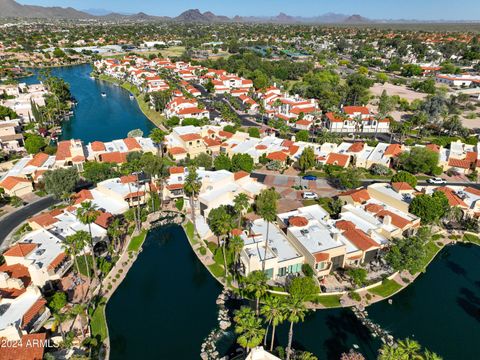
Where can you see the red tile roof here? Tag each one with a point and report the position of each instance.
(190, 137)
(401, 186)
(472, 190)
(38, 160)
(225, 134)
(320, 257)
(338, 159)
(82, 196)
(277, 155)
(17, 271)
(114, 157)
(44, 219)
(240, 174)
(393, 150)
(453, 199)
(298, 221)
(361, 240)
(30, 348)
(356, 147)
(98, 146)
(211, 142)
(132, 144)
(104, 219)
(176, 170)
(11, 181)
(344, 225)
(57, 261)
(397, 220)
(177, 151)
(35, 309)
(458, 163)
(128, 179)
(357, 195)
(20, 250)
(63, 150)
(174, 187)
(350, 110)
(433, 147)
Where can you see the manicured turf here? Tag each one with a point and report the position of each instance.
(82, 266)
(137, 241)
(98, 322)
(387, 288)
(329, 300)
(471, 238)
(190, 232)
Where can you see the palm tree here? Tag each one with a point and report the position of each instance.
(431, 356)
(72, 247)
(240, 204)
(256, 283)
(77, 310)
(296, 312)
(158, 137)
(192, 188)
(114, 231)
(274, 312)
(87, 213)
(388, 352)
(266, 207)
(249, 327)
(410, 349)
(235, 245)
(221, 223)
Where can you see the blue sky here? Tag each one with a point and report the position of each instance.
(375, 9)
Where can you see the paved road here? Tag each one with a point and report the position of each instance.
(9, 222)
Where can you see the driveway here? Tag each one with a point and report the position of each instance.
(9, 222)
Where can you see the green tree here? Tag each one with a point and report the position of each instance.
(410, 70)
(221, 223)
(307, 159)
(405, 176)
(192, 187)
(7, 112)
(419, 160)
(302, 135)
(296, 313)
(96, 171)
(407, 254)
(242, 162)
(429, 208)
(204, 160)
(303, 288)
(256, 284)
(34, 143)
(61, 181)
(274, 312)
(248, 327)
(158, 137)
(348, 179)
(235, 246)
(57, 301)
(266, 208)
(241, 203)
(254, 132)
(222, 162)
(87, 213)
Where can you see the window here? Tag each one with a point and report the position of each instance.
(320, 265)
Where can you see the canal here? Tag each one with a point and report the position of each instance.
(97, 117)
(166, 305)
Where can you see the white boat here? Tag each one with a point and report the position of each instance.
(131, 97)
(104, 94)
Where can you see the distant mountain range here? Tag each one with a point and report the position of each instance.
(12, 9)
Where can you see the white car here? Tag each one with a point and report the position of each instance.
(310, 195)
(436, 181)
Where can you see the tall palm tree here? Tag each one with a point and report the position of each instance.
(248, 327)
(431, 356)
(114, 231)
(256, 283)
(221, 223)
(274, 312)
(192, 187)
(158, 137)
(87, 213)
(266, 207)
(410, 349)
(240, 204)
(235, 245)
(296, 312)
(72, 246)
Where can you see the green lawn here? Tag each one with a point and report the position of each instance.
(190, 232)
(431, 250)
(82, 265)
(137, 241)
(98, 322)
(387, 288)
(471, 238)
(217, 270)
(329, 300)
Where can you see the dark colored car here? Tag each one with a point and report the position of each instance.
(310, 177)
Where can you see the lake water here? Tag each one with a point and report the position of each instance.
(166, 305)
(96, 117)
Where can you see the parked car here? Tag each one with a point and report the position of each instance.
(310, 177)
(310, 195)
(436, 181)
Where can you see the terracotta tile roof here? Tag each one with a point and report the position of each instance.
(393, 150)
(433, 147)
(78, 158)
(472, 190)
(134, 194)
(303, 122)
(333, 118)
(176, 170)
(114, 157)
(298, 221)
(471, 156)
(98, 146)
(357, 195)
(236, 232)
(126, 179)
(338, 159)
(345, 225)
(190, 137)
(261, 147)
(23, 351)
(211, 142)
(20, 250)
(63, 150)
(44, 219)
(104, 219)
(350, 110)
(458, 163)
(287, 143)
(401, 186)
(82, 196)
(240, 174)
(57, 261)
(177, 151)
(453, 199)
(397, 220)
(225, 134)
(38, 160)
(17, 271)
(277, 155)
(374, 208)
(11, 181)
(35, 309)
(132, 144)
(361, 240)
(319, 257)
(356, 147)
(174, 187)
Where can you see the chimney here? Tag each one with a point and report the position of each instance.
(387, 220)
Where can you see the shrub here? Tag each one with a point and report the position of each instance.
(307, 270)
(203, 251)
(379, 169)
(354, 296)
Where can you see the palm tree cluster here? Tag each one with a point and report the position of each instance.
(406, 350)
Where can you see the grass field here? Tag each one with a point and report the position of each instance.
(471, 238)
(98, 322)
(329, 300)
(189, 230)
(137, 241)
(387, 288)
